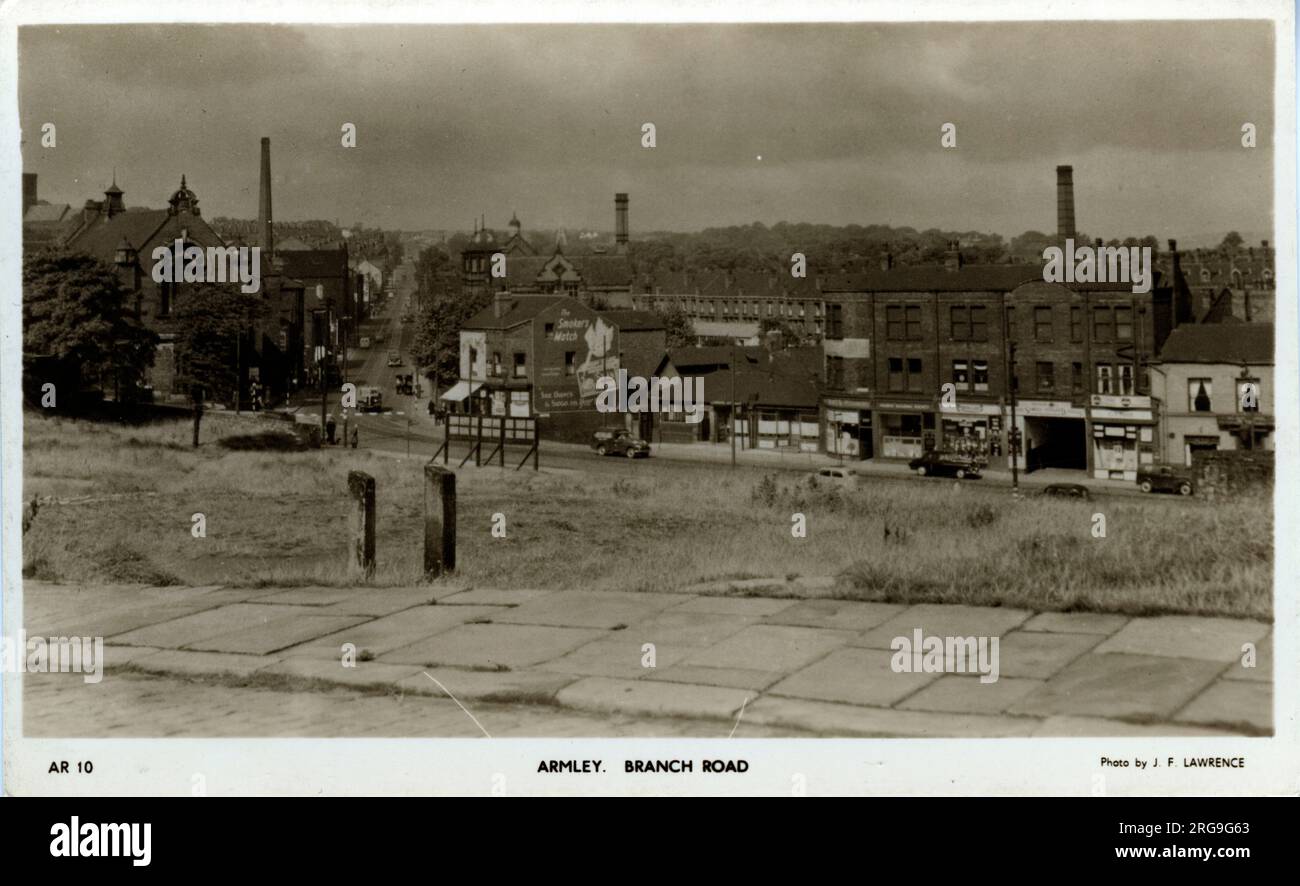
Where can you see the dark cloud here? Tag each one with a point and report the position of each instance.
(453, 121)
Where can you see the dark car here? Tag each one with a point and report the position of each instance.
(618, 442)
(1067, 490)
(1165, 478)
(952, 464)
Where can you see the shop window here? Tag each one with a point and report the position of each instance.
(1198, 395)
(1046, 374)
(1042, 323)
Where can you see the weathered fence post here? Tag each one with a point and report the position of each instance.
(439, 521)
(362, 562)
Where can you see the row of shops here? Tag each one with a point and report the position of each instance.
(1108, 437)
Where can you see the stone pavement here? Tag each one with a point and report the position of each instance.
(817, 665)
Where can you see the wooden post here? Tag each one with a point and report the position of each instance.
(501, 460)
(537, 440)
(446, 438)
(478, 442)
(439, 521)
(361, 565)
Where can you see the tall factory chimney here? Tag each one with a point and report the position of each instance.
(29, 192)
(620, 222)
(264, 200)
(1064, 201)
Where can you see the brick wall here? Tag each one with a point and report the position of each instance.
(1232, 472)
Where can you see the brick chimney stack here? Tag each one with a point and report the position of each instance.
(264, 199)
(1064, 202)
(620, 222)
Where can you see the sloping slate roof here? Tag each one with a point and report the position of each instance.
(313, 262)
(46, 212)
(634, 321)
(936, 278)
(595, 270)
(1220, 343)
(710, 283)
(717, 356)
(520, 309)
(101, 237)
(785, 378)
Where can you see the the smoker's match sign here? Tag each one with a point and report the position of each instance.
(575, 347)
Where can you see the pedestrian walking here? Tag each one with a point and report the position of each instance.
(354, 437)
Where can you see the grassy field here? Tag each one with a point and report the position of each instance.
(126, 495)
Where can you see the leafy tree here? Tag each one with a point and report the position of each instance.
(786, 337)
(678, 329)
(437, 335)
(1231, 243)
(77, 310)
(210, 319)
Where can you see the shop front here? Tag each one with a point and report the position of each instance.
(906, 430)
(972, 428)
(847, 430)
(1123, 436)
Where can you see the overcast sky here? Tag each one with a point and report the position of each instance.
(453, 122)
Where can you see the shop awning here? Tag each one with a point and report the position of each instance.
(460, 390)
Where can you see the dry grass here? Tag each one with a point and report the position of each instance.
(282, 519)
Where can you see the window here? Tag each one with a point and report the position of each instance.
(914, 374)
(979, 323)
(569, 362)
(835, 373)
(1046, 374)
(834, 321)
(496, 362)
(1042, 323)
(913, 322)
(1198, 395)
(894, 326)
(550, 330)
(1104, 372)
(1124, 323)
(960, 375)
(1126, 379)
(896, 379)
(1103, 324)
(864, 374)
(959, 323)
(1248, 394)
(521, 366)
(1076, 378)
(1076, 324)
(981, 375)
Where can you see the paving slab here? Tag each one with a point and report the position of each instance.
(377, 602)
(116, 656)
(1121, 686)
(937, 620)
(174, 661)
(771, 648)
(488, 686)
(1075, 623)
(652, 699)
(393, 631)
(839, 614)
(1262, 672)
(110, 623)
(493, 646)
(275, 635)
(365, 674)
(1040, 654)
(962, 694)
(587, 609)
(188, 629)
(735, 678)
(853, 676)
(832, 718)
(495, 597)
(1187, 636)
(752, 606)
(619, 655)
(673, 627)
(311, 596)
(1231, 703)
(1098, 727)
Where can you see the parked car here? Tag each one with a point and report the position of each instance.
(837, 476)
(619, 442)
(1067, 490)
(1165, 478)
(394, 358)
(952, 463)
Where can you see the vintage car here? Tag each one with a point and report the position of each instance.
(370, 399)
(1165, 478)
(955, 464)
(1067, 490)
(394, 358)
(619, 442)
(836, 476)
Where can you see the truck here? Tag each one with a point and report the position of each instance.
(370, 399)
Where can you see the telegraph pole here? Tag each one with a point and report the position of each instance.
(733, 403)
(1014, 433)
